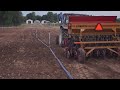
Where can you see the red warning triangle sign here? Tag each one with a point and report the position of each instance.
(99, 27)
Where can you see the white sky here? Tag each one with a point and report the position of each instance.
(96, 13)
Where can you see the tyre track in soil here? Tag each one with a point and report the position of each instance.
(77, 70)
(52, 52)
(92, 69)
(105, 69)
(23, 58)
(53, 69)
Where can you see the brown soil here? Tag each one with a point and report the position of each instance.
(22, 56)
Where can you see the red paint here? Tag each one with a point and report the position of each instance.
(77, 43)
(99, 27)
(97, 19)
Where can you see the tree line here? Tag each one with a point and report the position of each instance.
(15, 18)
(50, 16)
(11, 18)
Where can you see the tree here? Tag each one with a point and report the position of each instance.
(38, 18)
(1, 17)
(18, 18)
(31, 16)
(50, 16)
(44, 17)
(55, 17)
(9, 18)
(24, 18)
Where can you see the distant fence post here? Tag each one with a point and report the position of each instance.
(49, 38)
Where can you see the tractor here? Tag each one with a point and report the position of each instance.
(84, 36)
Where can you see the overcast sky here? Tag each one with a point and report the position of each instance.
(96, 13)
